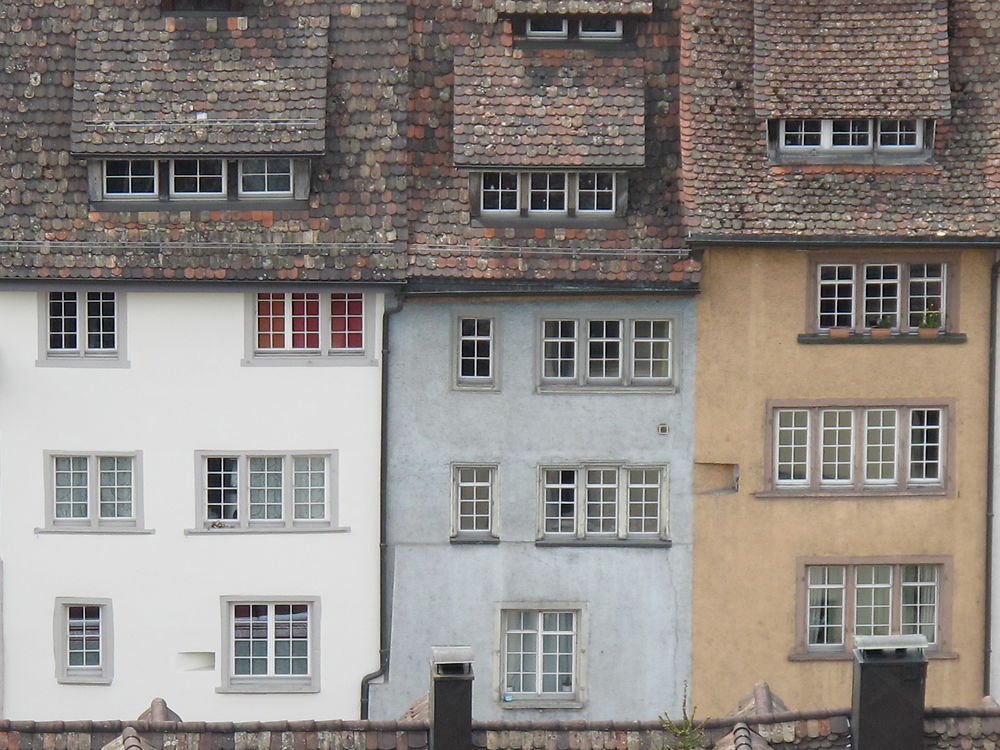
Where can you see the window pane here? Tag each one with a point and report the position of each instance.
(880, 446)
(825, 607)
(500, 191)
(881, 295)
(604, 348)
(926, 295)
(602, 501)
(920, 601)
(265, 476)
(851, 132)
(872, 599)
(115, 486)
(347, 321)
(474, 487)
(547, 191)
(63, 322)
(837, 446)
(559, 349)
(71, 483)
(792, 454)
(643, 501)
(83, 636)
(309, 483)
(560, 501)
(221, 482)
(802, 132)
(925, 446)
(836, 296)
(651, 349)
(475, 348)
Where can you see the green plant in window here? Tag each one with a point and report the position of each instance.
(686, 732)
(931, 319)
(886, 321)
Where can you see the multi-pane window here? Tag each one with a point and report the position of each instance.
(901, 296)
(91, 491)
(267, 491)
(851, 135)
(475, 351)
(196, 178)
(294, 322)
(130, 178)
(474, 499)
(592, 194)
(266, 177)
(867, 448)
(871, 599)
(611, 501)
(539, 653)
(270, 646)
(84, 641)
(606, 352)
(586, 28)
(82, 324)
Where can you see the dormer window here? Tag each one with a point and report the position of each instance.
(593, 28)
(861, 139)
(201, 6)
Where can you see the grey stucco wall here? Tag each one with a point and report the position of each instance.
(635, 602)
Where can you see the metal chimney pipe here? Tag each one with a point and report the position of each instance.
(890, 672)
(451, 698)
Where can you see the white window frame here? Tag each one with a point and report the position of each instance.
(266, 174)
(477, 340)
(326, 352)
(460, 481)
(562, 33)
(807, 469)
(65, 640)
(827, 133)
(570, 192)
(888, 603)
(83, 354)
(200, 194)
(93, 521)
(615, 35)
(629, 362)
(537, 697)
(572, 29)
(206, 464)
(131, 194)
(269, 682)
(233, 172)
(589, 519)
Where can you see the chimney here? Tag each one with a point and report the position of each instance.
(451, 698)
(887, 712)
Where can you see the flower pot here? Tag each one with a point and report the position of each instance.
(840, 333)
(928, 333)
(881, 333)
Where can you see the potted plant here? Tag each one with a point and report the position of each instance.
(883, 327)
(930, 324)
(840, 332)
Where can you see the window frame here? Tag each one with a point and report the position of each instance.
(572, 31)
(233, 7)
(93, 522)
(537, 699)
(103, 673)
(475, 382)
(288, 522)
(241, 165)
(825, 151)
(81, 356)
(858, 485)
(325, 353)
(269, 683)
(578, 531)
(628, 338)
(524, 191)
(873, 134)
(492, 532)
(804, 651)
(905, 281)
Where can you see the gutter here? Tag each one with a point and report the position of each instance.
(990, 475)
(805, 241)
(393, 304)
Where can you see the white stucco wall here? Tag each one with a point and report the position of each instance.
(185, 390)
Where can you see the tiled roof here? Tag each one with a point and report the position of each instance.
(195, 84)
(548, 108)
(574, 6)
(851, 58)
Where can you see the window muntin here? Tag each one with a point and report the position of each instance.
(595, 192)
(847, 135)
(267, 491)
(631, 352)
(269, 177)
(83, 641)
(547, 192)
(474, 493)
(540, 654)
(595, 501)
(500, 192)
(293, 323)
(859, 448)
(92, 491)
(590, 28)
(198, 178)
(475, 351)
(130, 178)
(82, 324)
(871, 599)
(572, 194)
(270, 646)
(860, 295)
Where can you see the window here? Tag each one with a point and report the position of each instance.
(474, 500)
(293, 491)
(870, 597)
(270, 647)
(851, 135)
(851, 448)
(83, 641)
(211, 6)
(202, 178)
(548, 194)
(82, 325)
(609, 502)
(635, 352)
(899, 296)
(475, 353)
(594, 28)
(92, 492)
(540, 654)
(304, 324)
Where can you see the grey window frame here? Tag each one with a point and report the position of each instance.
(475, 383)
(93, 522)
(232, 683)
(82, 356)
(66, 674)
(288, 523)
(457, 532)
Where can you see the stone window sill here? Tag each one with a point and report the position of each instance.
(896, 338)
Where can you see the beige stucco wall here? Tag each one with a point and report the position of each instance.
(751, 310)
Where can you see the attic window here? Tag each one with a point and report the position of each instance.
(201, 6)
(851, 139)
(571, 28)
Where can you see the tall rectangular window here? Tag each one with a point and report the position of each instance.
(474, 489)
(92, 491)
(475, 352)
(559, 349)
(84, 648)
(270, 646)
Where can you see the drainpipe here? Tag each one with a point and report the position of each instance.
(990, 474)
(393, 304)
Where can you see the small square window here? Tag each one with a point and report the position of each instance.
(201, 6)
(269, 177)
(547, 27)
(84, 641)
(130, 178)
(270, 647)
